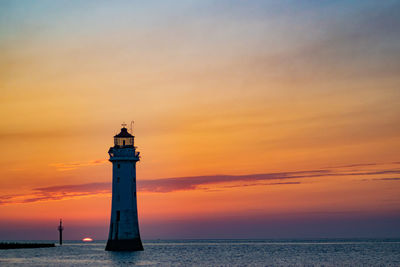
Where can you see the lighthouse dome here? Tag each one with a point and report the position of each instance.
(124, 138)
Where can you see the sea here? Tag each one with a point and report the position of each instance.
(321, 252)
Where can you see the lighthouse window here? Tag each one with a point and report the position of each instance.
(118, 215)
(117, 179)
(123, 142)
(119, 166)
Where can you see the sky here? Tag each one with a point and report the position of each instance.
(254, 119)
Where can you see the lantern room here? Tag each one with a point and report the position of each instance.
(124, 138)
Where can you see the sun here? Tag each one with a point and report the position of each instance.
(87, 239)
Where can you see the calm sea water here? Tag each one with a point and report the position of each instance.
(327, 252)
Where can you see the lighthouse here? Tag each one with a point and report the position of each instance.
(124, 226)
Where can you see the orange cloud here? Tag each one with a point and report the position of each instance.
(74, 165)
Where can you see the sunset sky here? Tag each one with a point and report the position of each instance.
(254, 119)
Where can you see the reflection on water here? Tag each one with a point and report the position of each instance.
(328, 252)
(127, 258)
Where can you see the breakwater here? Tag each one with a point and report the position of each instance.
(12, 245)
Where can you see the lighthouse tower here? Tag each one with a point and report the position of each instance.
(124, 226)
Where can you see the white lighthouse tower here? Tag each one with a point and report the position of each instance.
(124, 227)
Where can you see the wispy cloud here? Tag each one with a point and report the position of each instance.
(358, 165)
(166, 185)
(387, 179)
(74, 165)
(57, 193)
(258, 184)
(190, 183)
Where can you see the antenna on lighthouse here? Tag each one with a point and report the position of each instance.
(132, 122)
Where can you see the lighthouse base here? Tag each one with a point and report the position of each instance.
(124, 245)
